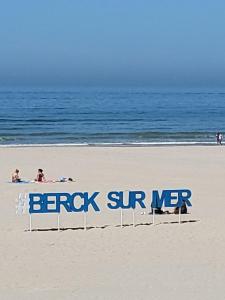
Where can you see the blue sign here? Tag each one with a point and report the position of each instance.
(83, 201)
(53, 202)
(134, 198)
(171, 198)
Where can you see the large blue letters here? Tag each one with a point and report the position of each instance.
(82, 201)
(171, 198)
(52, 202)
(119, 199)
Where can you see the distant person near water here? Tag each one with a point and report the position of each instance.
(40, 176)
(219, 138)
(15, 176)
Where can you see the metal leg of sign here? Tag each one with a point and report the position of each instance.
(179, 215)
(26, 203)
(30, 222)
(58, 222)
(133, 217)
(85, 220)
(121, 218)
(20, 196)
(153, 216)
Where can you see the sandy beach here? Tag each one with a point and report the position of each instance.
(163, 261)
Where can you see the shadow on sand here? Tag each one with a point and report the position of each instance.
(105, 226)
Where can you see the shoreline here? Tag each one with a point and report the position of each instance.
(102, 145)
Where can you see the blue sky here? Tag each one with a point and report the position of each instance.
(112, 42)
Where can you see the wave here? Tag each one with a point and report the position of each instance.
(139, 136)
(128, 144)
(142, 137)
(5, 139)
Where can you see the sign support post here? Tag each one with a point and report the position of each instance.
(85, 220)
(121, 218)
(153, 216)
(58, 222)
(30, 222)
(133, 217)
(179, 215)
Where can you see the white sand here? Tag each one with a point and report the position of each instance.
(167, 261)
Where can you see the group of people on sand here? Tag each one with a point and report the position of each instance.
(39, 178)
(177, 210)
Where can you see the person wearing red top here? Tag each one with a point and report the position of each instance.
(40, 176)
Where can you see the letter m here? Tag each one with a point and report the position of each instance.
(157, 201)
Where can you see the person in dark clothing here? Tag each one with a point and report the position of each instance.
(183, 209)
(219, 138)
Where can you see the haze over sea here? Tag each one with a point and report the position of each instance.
(110, 115)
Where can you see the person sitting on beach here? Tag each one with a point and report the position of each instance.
(15, 176)
(182, 209)
(157, 210)
(65, 179)
(40, 176)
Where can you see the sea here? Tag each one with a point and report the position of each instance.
(110, 116)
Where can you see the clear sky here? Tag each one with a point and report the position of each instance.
(112, 42)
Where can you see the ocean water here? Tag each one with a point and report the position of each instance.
(110, 116)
